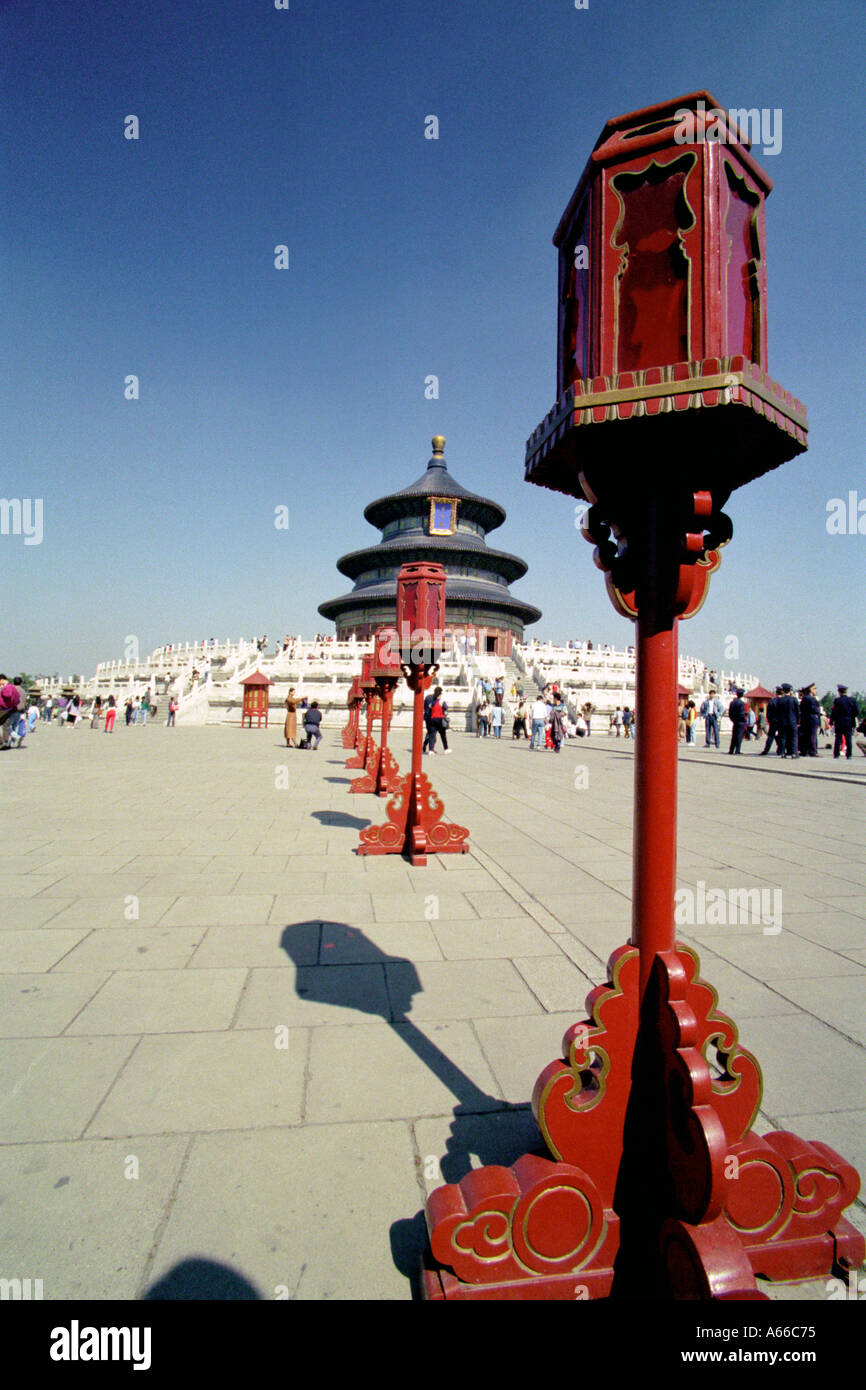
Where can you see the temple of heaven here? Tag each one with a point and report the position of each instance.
(437, 519)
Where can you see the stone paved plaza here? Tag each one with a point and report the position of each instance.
(235, 1055)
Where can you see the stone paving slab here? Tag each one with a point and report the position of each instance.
(36, 949)
(51, 1087)
(36, 1006)
(315, 995)
(398, 1071)
(83, 1217)
(266, 1019)
(460, 989)
(162, 1001)
(492, 938)
(358, 1181)
(189, 1082)
(132, 948)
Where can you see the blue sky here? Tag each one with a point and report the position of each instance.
(304, 388)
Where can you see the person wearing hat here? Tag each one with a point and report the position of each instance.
(737, 716)
(843, 717)
(810, 721)
(772, 723)
(788, 718)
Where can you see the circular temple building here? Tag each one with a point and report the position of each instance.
(435, 519)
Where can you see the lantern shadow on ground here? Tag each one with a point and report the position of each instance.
(339, 965)
(342, 818)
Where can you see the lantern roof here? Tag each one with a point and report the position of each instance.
(256, 679)
(652, 127)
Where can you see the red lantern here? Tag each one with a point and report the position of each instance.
(662, 318)
(420, 613)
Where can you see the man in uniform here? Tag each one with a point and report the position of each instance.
(810, 721)
(772, 723)
(737, 716)
(787, 718)
(843, 717)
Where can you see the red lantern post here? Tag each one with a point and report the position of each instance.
(414, 824)
(381, 772)
(364, 740)
(354, 700)
(662, 343)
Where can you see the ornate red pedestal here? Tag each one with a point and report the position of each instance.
(657, 1186)
(414, 824)
(354, 700)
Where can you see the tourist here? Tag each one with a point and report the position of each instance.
(290, 728)
(712, 710)
(496, 720)
(136, 706)
(110, 714)
(312, 726)
(737, 716)
(557, 723)
(539, 722)
(588, 711)
(48, 709)
(429, 740)
(172, 711)
(438, 721)
(73, 710)
(96, 712)
(616, 722)
(483, 718)
(843, 717)
(628, 722)
(144, 708)
(499, 690)
(10, 699)
(128, 711)
(519, 725)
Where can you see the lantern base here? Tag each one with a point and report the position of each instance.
(414, 824)
(381, 775)
(655, 1167)
(365, 748)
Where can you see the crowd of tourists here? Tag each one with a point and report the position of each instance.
(793, 723)
(20, 713)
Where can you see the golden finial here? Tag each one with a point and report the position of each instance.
(438, 445)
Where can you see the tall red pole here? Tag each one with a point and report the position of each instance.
(655, 787)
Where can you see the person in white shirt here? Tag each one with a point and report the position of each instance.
(539, 722)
